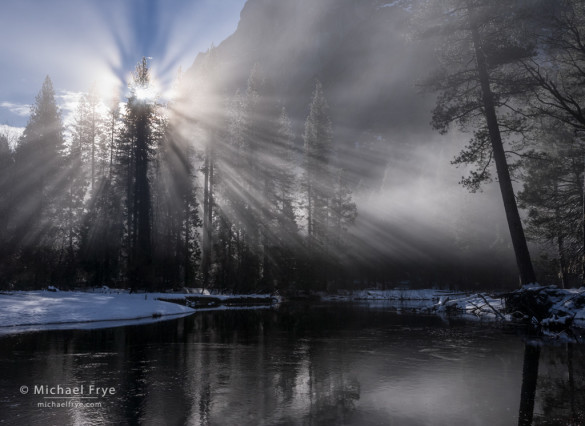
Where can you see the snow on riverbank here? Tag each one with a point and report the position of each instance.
(443, 302)
(33, 308)
(99, 308)
(394, 294)
(550, 307)
(545, 307)
(475, 306)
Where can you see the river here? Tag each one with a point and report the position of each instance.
(329, 364)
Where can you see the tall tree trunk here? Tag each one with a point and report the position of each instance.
(583, 227)
(113, 128)
(523, 260)
(187, 257)
(209, 216)
(560, 241)
(70, 217)
(93, 148)
(206, 209)
(130, 231)
(562, 261)
(310, 213)
(143, 260)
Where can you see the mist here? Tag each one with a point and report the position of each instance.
(412, 209)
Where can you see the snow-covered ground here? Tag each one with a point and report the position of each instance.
(99, 308)
(547, 307)
(36, 310)
(33, 310)
(551, 307)
(557, 308)
(476, 306)
(393, 294)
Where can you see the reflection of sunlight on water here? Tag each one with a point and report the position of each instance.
(302, 394)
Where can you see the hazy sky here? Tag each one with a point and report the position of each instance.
(79, 42)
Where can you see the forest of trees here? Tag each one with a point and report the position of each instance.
(147, 196)
(216, 190)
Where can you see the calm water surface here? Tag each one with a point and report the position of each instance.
(301, 364)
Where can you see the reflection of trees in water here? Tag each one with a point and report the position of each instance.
(318, 389)
(71, 359)
(529, 382)
(237, 380)
(214, 368)
(245, 368)
(560, 397)
(334, 398)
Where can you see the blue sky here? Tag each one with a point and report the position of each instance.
(81, 42)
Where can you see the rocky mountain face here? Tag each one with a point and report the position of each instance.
(369, 62)
(362, 53)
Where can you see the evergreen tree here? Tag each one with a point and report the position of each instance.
(102, 225)
(209, 120)
(284, 228)
(269, 147)
(343, 211)
(239, 210)
(86, 162)
(111, 133)
(139, 136)
(6, 160)
(89, 134)
(40, 178)
(318, 137)
(140, 113)
(77, 184)
(196, 113)
(556, 75)
(6, 208)
(553, 196)
(256, 221)
(176, 211)
(330, 209)
(102, 234)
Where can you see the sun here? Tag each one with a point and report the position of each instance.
(143, 83)
(145, 93)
